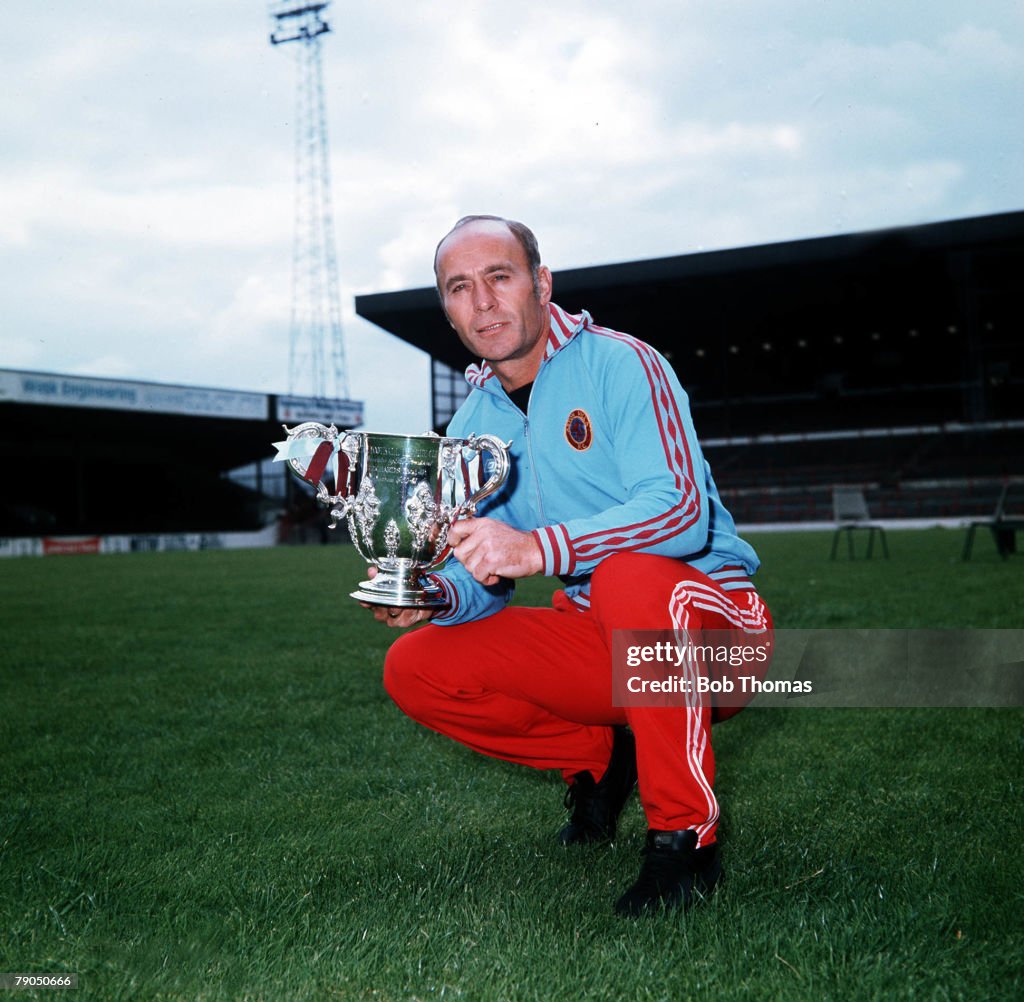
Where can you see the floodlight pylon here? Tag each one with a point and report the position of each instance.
(316, 357)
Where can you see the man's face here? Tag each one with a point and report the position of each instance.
(488, 294)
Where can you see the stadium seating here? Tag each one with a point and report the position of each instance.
(930, 474)
(850, 511)
(1003, 525)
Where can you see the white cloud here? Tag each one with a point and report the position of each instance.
(66, 201)
(972, 49)
(258, 310)
(106, 366)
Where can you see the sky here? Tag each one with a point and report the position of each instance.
(147, 171)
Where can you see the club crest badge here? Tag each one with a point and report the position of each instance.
(578, 431)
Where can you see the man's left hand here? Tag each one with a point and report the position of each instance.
(491, 550)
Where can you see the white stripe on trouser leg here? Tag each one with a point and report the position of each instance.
(696, 736)
(751, 620)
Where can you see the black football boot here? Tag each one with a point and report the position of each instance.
(596, 806)
(675, 874)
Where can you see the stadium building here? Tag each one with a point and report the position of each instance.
(104, 464)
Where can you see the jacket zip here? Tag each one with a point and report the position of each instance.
(529, 452)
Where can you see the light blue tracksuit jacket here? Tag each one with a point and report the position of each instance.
(605, 460)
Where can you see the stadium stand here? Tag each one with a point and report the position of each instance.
(96, 457)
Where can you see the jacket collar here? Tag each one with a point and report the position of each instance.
(562, 328)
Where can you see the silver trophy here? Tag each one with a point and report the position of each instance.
(399, 495)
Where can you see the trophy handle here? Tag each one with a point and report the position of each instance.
(499, 450)
(314, 468)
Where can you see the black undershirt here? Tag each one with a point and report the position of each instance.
(521, 397)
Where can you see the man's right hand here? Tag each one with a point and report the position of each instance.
(491, 550)
(395, 616)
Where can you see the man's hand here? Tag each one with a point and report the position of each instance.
(394, 616)
(491, 550)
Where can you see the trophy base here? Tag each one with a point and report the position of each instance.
(397, 591)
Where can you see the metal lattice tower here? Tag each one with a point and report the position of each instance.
(316, 361)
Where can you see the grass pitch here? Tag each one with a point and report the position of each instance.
(206, 794)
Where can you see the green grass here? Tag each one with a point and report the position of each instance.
(206, 794)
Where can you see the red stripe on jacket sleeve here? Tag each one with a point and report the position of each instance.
(556, 549)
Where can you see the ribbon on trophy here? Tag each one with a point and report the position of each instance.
(317, 450)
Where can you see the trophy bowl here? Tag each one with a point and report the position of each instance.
(399, 495)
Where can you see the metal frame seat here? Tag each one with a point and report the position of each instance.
(850, 511)
(1004, 528)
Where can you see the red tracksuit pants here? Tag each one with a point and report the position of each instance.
(534, 685)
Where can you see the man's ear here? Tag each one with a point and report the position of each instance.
(544, 283)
